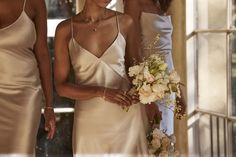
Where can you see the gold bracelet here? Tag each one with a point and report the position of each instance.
(48, 107)
(104, 93)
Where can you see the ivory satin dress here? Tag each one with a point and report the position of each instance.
(102, 128)
(153, 27)
(20, 88)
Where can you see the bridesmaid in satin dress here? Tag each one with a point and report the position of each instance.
(153, 21)
(99, 44)
(24, 66)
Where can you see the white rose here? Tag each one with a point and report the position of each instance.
(135, 81)
(135, 70)
(146, 95)
(163, 154)
(146, 88)
(165, 143)
(157, 134)
(140, 77)
(159, 88)
(147, 75)
(151, 151)
(156, 143)
(147, 99)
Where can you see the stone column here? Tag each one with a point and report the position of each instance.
(178, 12)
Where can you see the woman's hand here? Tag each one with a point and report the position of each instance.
(117, 96)
(50, 122)
(134, 95)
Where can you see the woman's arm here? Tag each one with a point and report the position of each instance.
(62, 68)
(41, 50)
(43, 58)
(133, 46)
(132, 8)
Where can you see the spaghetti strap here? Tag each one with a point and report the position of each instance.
(117, 22)
(24, 5)
(72, 28)
(72, 31)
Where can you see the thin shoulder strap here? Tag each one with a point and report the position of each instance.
(117, 22)
(24, 5)
(72, 28)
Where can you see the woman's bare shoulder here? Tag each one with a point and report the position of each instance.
(125, 19)
(64, 28)
(38, 5)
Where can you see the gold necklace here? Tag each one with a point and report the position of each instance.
(94, 23)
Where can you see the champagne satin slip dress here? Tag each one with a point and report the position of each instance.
(20, 88)
(102, 128)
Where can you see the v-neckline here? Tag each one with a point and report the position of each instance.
(104, 52)
(23, 13)
(13, 23)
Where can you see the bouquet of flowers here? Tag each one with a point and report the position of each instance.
(153, 81)
(161, 145)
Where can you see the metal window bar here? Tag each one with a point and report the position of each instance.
(211, 135)
(218, 136)
(225, 148)
(197, 31)
(226, 119)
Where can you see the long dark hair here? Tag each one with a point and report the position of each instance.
(164, 4)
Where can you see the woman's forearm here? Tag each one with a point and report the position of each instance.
(45, 76)
(79, 92)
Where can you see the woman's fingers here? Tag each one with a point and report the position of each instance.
(50, 127)
(50, 122)
(125, 99)
(119, 97)
(135, 98)
(118, 100)
(128, 97)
